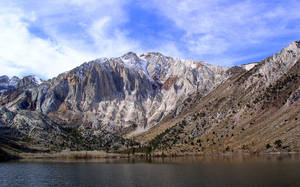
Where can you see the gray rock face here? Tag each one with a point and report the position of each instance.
(117, 93)
(254, 108)
(130, 90)
(19, 124)
(130, 94)
(10, 85)
(277, 65)
(294, 97)
(7, 84)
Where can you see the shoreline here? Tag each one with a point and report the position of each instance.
(101, 155)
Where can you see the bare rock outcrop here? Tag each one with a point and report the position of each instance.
(117, 93)
(181, 103)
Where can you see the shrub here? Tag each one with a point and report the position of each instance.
(227, 148)
(278, 143)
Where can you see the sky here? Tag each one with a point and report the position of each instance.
(49, 37)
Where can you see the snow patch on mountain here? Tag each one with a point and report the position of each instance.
(249, 66)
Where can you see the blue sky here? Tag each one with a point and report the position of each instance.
(52, 36)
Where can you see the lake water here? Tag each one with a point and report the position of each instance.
(193, 171)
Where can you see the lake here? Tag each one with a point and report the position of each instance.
(269, 170)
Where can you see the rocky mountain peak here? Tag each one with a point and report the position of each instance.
(295, 44)
(14, 83)
(152, 54)
(4, 79)
(130, 55)
(182, 102)
(115, 93)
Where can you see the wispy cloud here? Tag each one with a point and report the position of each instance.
(51, 36)
(47, 39)
(221, 27)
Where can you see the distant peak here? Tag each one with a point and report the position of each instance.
(297, 43)
(293, 46)
(151, 54)
(4, 78)
(129, 55)
(33, 78)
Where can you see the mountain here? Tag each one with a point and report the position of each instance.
(253, 111)
(169, 104)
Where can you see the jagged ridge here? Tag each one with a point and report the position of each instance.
(168, 98)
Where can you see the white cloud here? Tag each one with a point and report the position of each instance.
(110, 41)
(51, 36)
(215, 27)
(22, 52)
(170, 49)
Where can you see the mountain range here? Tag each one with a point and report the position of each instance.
(151, 100)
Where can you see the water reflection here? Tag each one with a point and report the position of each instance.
(183, 159)
(265, 170)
